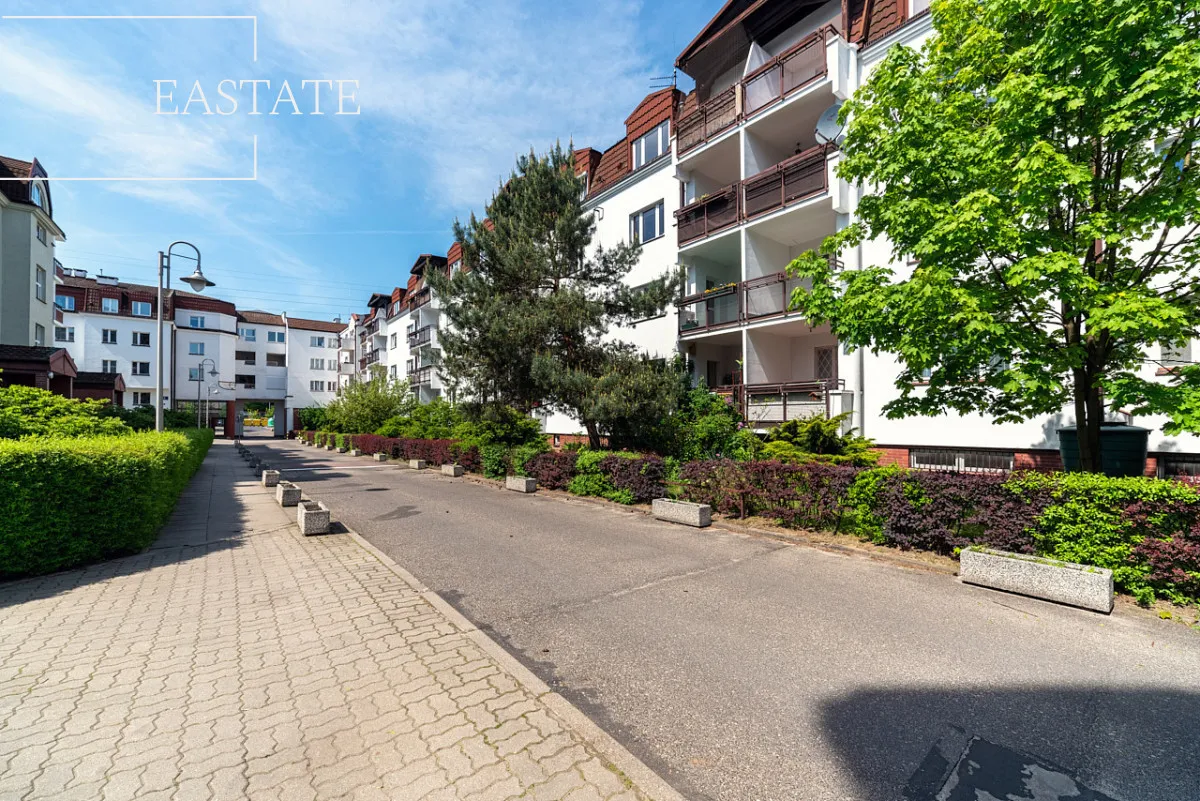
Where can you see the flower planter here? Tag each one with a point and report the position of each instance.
(270, 478)
(287, 494)
(1062, 582)
(416, 464)
(452, 470)
(381, 457)
(520, 484)
(355, 452)
(689, 514)
(312, 517)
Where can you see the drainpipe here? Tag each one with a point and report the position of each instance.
(861, 400)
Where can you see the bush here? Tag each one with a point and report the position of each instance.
(32, 412)
(817, 439)
(494, 461)
(313, 418)
(367, 405)
(553, 470)
(434, 420)
(619, 476)
(498, 425)
(69, 502)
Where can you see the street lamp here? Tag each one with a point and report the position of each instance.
(197, 282)
(200, 383)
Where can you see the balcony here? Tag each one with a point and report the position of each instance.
(718, 113)
(420, 337)
(368, 360)
(711, 213)
(791, 70)
(420, 298)
(421, 378)
(802, 176)
(797, 67)
(739, 303)
(771, 404)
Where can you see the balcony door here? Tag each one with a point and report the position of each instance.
(825, 363)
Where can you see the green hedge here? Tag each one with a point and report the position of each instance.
(68, 502)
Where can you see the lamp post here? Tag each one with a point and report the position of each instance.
(200, 383)
(197, 282)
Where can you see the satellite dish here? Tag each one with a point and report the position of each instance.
(828, 129)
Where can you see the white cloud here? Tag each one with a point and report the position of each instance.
(463, 86)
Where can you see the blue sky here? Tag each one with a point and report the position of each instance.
(449, 90)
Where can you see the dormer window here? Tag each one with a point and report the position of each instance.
(649, 146)
(37, 195)
(583, 184)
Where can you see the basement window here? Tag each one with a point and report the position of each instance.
(961, 460)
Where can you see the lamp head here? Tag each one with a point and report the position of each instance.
(197, 281)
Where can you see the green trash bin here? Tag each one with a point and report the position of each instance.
(1122, 449)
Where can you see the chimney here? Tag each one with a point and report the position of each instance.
(106, 280)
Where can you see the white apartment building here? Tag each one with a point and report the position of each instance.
(28, 234)
(214, 356)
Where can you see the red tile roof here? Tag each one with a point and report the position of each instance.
(16, 191)
(259, 317)
(316, 325)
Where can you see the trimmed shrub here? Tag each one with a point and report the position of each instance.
(639, 478)
(494, 461)
(68, 502)
(553, 470)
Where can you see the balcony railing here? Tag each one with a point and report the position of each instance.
(711, 213)
(369, 359)
(739, 303)
(714, 115)
(420, 336)
(770, 404)
(421, 378)
(791, 70)
(420, 298)
(714, 308)
(799, 177)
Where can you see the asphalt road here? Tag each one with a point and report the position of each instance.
(745, 669)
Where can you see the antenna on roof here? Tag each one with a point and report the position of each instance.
(662, 82)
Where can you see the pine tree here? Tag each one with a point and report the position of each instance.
(529, 312)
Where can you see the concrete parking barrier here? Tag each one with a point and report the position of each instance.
(689, 514)
(417, 464)
(1062, 582)
(287, 494)
(312, 517)
(355, 452)
(453, 470)
(381, 457)
(520, 484)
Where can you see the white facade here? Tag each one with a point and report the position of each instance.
(27, 277)
(110, 343)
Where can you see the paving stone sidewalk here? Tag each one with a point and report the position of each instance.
(237, 659)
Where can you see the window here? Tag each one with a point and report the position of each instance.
(108, 366)
(246, 356)
(110, 305)
(331, 386)
(316, 386)
(962, 461)
(65, 302)
(392, 341)
(316, 364)
(825, 364)
(1175, 355)
(41, 234)
(40, 285)
(37, 195)
(64, 333)
(108, 336)
(392, 371)
(248, 334)
(646, 224)
(275, 336)
(456, 266)
(195, 349)
(276, 360)
(194, 374)
(316, 342)
(196, 321)
(649, 146)
(141, 308)
(583, 187)
(141, 399)
(141, 339)
(139, 368)
(39, 334)
(246, 381)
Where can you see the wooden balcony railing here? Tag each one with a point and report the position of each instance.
(714, 115)
(715, 308)
(792, 69)
(711, 213)
(770, 404)
(799, 177)
(420, 336)
(771, 295)
(420, 298)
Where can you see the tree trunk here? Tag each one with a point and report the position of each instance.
(593, 435)
(1089, 414)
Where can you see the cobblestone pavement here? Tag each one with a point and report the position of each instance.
(237, 659)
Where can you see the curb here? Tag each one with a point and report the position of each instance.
(649, 783)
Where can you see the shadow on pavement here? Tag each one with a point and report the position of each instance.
(1018, 744)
